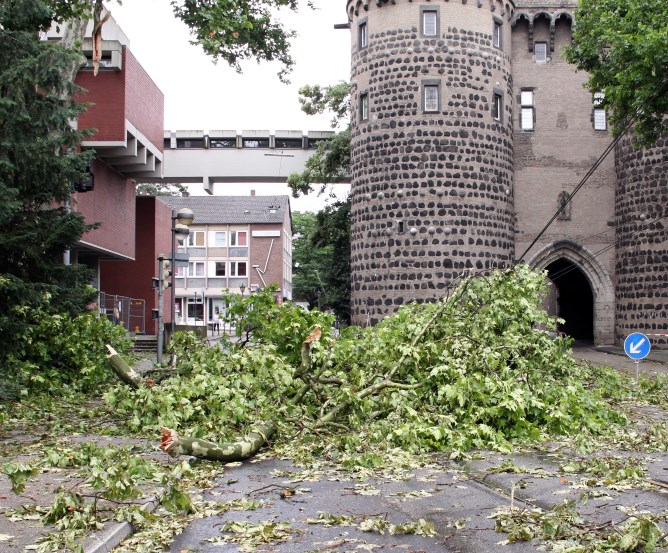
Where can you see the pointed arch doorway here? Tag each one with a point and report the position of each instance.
(582, 291)
(573, 299)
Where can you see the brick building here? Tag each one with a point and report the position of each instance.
(237, 244)
(469, 131)
(126, 112)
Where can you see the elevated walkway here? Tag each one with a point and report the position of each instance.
(231, 157)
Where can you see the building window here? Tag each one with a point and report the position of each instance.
(219, 239)
(196, 268)
(527, 110)
(238, 238)
(431, 92)
(600, 116)
(219, 268)
(238, 268)
(429, 21)
(497, 34)
(540, 52)
(497, 106)
(196, 239)
(180, 271)
(363, 34)
(364, 107)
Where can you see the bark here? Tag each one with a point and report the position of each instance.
(174, 445)
(124, 371)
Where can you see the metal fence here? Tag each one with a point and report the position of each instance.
(127, 312)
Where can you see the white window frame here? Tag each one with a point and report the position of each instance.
(429, 22)
(194, 267)
(213, 268)
(234, 238)
(431, 100)
(234, 268)
(497, 35)
(527, 109)
(541, 47)
(192, 242)
(218, 239)
(363, 34)
(600, 115)
(364, 106)
(497, 106)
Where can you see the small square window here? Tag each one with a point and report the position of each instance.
(497, 107)
(497, 35)
(363, 35)
(364, 107)
(220, 268)
(429, 21)
(196, 238)
(540, 52)
(238, 238)
(238, 268)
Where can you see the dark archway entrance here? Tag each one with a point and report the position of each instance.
(575, 300)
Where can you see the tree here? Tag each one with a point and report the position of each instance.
(331, 161)
(321, 259)
(231, 30)
(623, 44)
(160, 189)
(39, 164)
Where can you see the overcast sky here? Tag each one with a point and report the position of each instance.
(201, 95)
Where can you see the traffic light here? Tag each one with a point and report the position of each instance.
(166, 276)
(155, 282)
(154, 313)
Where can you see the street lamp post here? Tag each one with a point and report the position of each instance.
(184, 217)
(242, 287)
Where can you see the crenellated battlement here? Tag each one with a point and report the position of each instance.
(503, 9)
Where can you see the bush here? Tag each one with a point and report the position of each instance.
(57, 351)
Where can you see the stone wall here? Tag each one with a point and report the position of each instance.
(642, 240)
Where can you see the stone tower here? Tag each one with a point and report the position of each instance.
(642, 240)
(432, 153)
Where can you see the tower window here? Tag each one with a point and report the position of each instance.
(364, 106)
(600, 116)
(431, 96)
(540, 52)
(363, 34)
(527, 110)
(429, 21)
(497, 34)
(497, 106)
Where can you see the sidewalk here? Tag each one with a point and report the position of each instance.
(655, 363)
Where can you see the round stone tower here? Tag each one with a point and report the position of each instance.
(642, 240)
(432, 154)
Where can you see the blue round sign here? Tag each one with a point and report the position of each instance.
(637, 345)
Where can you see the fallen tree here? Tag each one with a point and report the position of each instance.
(468, 371)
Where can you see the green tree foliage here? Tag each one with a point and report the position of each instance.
(38, 165)
(160, 189)
(623, 44)
(321, 258)
(331, 161)
(468, 371)
(231, 30)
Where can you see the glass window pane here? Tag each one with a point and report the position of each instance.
(600, 120)
(431, 98)
(220, 268)
(527, 119)
(540, 50)
(241, 238)
(221, 239)
(526, 98)
(429, 23)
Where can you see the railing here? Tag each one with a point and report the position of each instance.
(130, 313)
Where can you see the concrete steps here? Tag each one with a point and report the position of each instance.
(144, 343)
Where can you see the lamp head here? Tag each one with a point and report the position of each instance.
(185, 216)
(181, 230)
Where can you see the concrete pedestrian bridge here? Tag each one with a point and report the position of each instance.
(231, 157)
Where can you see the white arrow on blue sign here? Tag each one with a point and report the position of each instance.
(637, 345)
